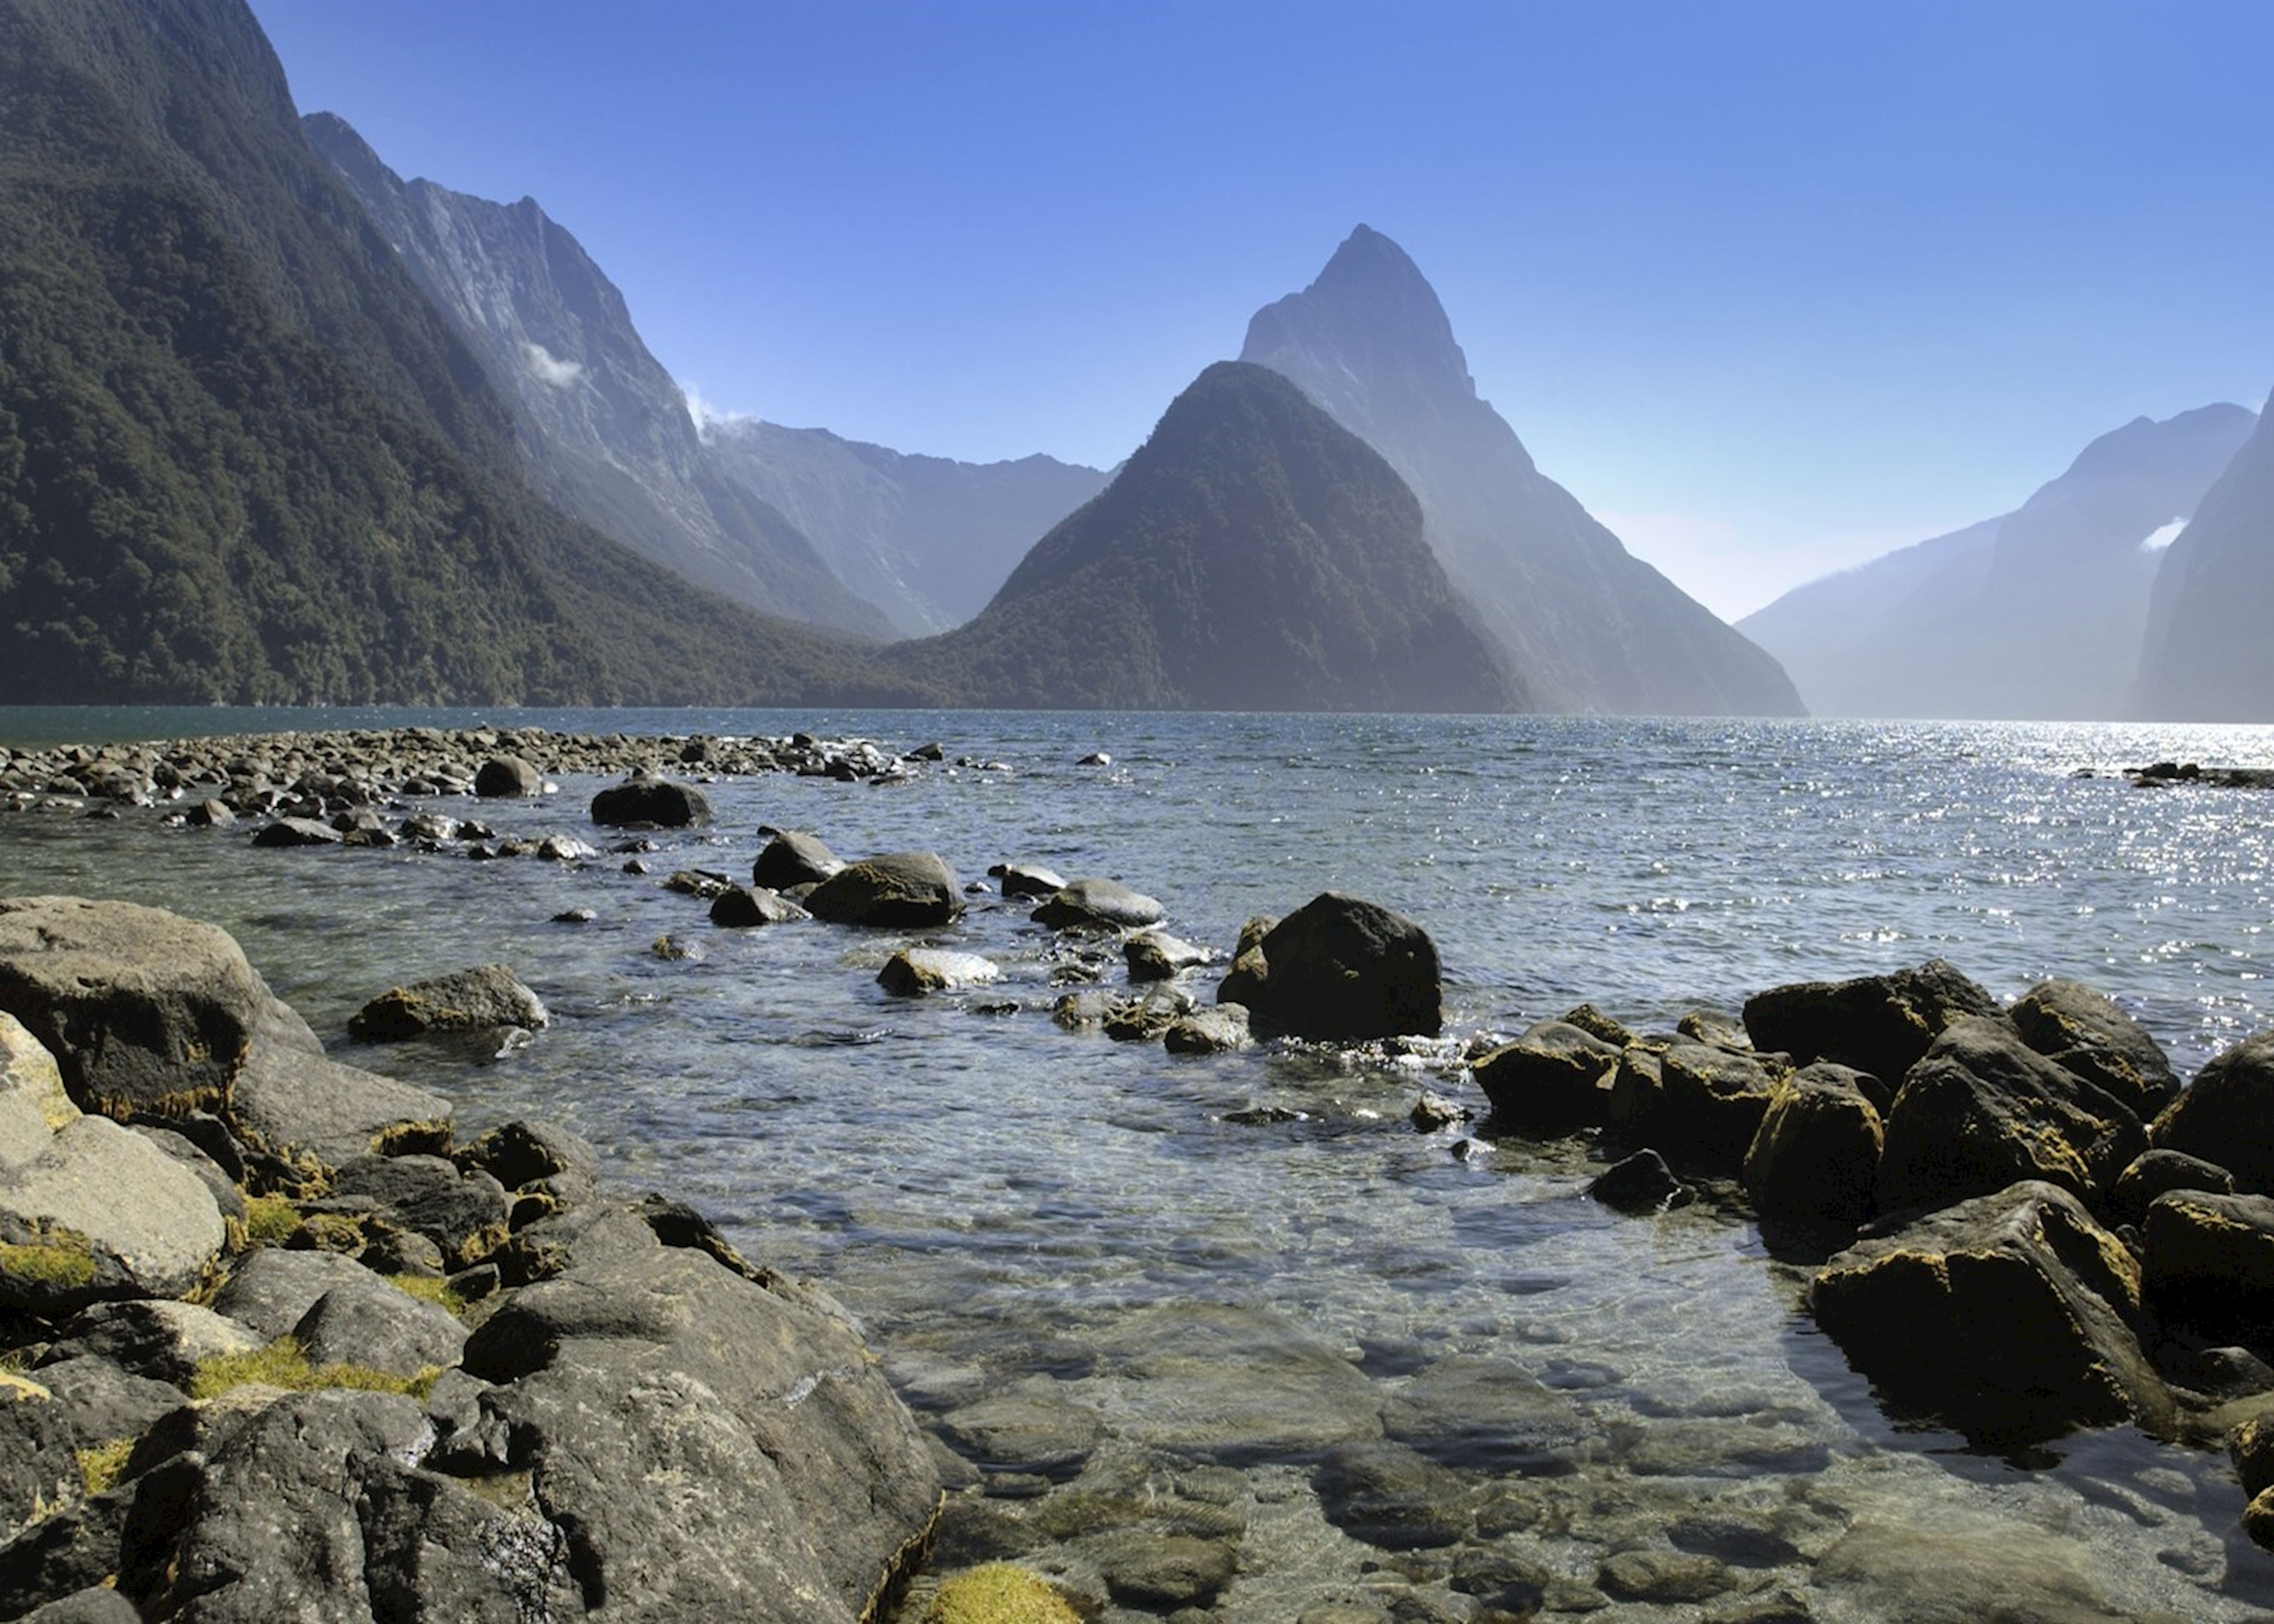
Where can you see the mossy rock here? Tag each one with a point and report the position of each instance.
(998, 1593)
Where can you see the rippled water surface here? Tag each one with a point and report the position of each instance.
(1005, 1203)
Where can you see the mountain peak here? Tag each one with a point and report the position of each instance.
(1373, 301)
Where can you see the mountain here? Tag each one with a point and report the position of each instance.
(2039, 614)
(603, 426)
(925, 538)
(2205, 656)
(1252, 555)
(243, 458)
(1590, 626)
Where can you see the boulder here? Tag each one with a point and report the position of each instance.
(292, 1102)
(466, 1214)
(144, 1012)
(270, 1289)
(523, 1155)
(915, 970)
(295, 831)
(378, 1326)
(1712, 1104)
(1816, 1156)
(153, 1338)
(2084, 1031)
(484, 998)
(1983, 1110)
(646, 802)
(1639, 1184)
(33, 1105)
(906, 890)
(1208, 1032)
(1026, 879)
(1156, 956)
(2226, 1115)
(2159, 1172)
(1391, 1495)
(670, 1405)
(740, 906)
(1340, 967)
(2012, 1317)
(793, 857)
(565, 849)
(2207, 1261)
(1879, 1025)
(1097, 905)
(504, 776)
(102, 1213)
(1553, 1078)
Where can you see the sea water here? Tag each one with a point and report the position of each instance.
(1004, 1203)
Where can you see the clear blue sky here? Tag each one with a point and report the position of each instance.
(1772, 285)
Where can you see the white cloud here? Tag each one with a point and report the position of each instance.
(551, 368)
(706, 417)
(2159, 540)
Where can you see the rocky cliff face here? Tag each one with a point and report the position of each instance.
(2037, 613)
(2206, 655)
(1252, 555)
(1590, 626)
(603, 425)
(927, 539)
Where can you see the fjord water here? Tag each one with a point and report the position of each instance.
(1010, 1207)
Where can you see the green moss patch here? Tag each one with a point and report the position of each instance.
(102, 1466)
(998, 1593)
(284, 1364)
(439, 1292)
(60, 1261)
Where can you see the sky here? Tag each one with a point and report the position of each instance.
(1772, 286)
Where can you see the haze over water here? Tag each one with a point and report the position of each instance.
(1005, 1203)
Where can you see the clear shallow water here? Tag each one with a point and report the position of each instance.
(1006, 1203)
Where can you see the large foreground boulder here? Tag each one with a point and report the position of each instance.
(2226, 1115)
(1983, 1110)
(2012, 1317)
(2208, 1263)
(1815, 1159)
(2083, 1030)
(1878, 1024)
(905, 890)
(713, 1441)
(1554, 1078)
(1340, 967)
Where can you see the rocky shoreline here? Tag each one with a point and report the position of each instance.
(2015, 1219)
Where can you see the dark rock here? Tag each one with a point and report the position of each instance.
(1505, 1584)
(1713, 1103)
(482, 998)
(377, 1326)
(2251, 1447)
(575, 916)
(1208, 1032)
(1635, 1107)
(210, 815)
(657, 803)
(2208, 1262)
(1156, 956)
(907, 889)
(1597, 1025)
(466, 1214)
(1740, 1542)
(915, 970)
(61, 1561)
(2084, 1031)
(519, 1155)
(103, 1401)
(2225, 1116)
(1816, 1157)
(1554, 1078)
(565, 849)
(292, 832)
(271, 1289)
(1433, 1113)
(667, 1405)
(1095, 904)
(1392, 1496)
(1714, 1026)
(2012, 1317)
(1876, 1024)
(1144, 1020)
(1983, 1110)
(434, 1548)
(1026, 879)
(704, 885)
(292, 1104)
(159, 1340)
(2159, 1172)
(793, 857)
(504, 776)
(1096, 758)
(144, 1012)
(1641, 1184)
(740, 906)
(2221, 1374)
(1339, 967)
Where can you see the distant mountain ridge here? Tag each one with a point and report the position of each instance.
(2205, 656)
(603, 425)
(1587, 625)
(927, 539)
(2039, 614)
(1253, 554)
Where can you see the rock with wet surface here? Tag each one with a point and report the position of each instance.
(742, 906)
(915, 972)
(2226, 1115)
(1879, 1025)
(1816, 1156)
(1340, 967)
(484, 997)
(1097, 905)
(1156, 956)
(2084, 1030)
(1023, 879)
(646, 802)
(904, 889)
(794, 857)
(504, 776)
(1553, 1078)
(1213, 1031)
(2207, 1261)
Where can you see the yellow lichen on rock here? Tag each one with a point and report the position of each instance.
(998, 1593)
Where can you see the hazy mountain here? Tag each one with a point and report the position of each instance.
(603, 425)
(1590, 626)
(242, 457)
(2206, 655)
(2037, 613)
(1252, 555)
(925, 538)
